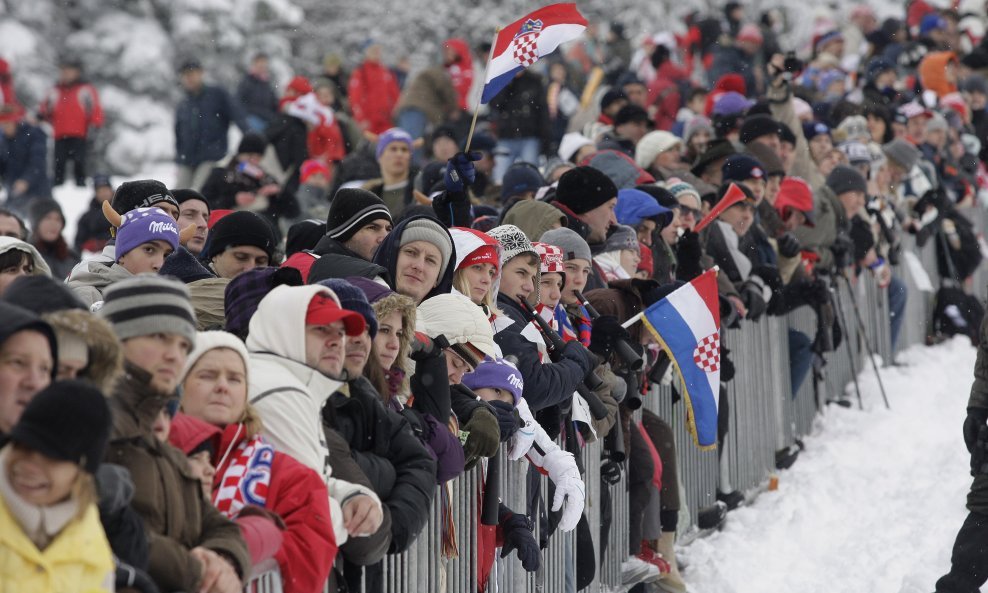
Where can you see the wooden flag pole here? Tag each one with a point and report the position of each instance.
(476, 109)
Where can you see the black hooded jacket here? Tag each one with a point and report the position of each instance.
(400, 468)
(387, 256)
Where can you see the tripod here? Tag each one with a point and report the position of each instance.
(842, 319)
(867, 341)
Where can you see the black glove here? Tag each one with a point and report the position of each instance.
(788, 245)
(688, 254)
(769, 275)
(517, 530)
(610, 470)
(976, 418)
(508, 419)
(574, 350)
(843, 250)
(604, 335)
(753, 299)
(460, 172)
(430, 383)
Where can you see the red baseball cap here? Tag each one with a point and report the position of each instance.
(324, 309)
(795, 193)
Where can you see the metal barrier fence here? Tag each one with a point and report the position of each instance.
(765, 416)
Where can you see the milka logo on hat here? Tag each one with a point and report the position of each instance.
(515, 381)
(162, 227)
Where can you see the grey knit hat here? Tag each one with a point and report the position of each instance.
(572, 244)
(430, 231)
(844, 179)
(902, 153)
(621, 237)
(148, 304)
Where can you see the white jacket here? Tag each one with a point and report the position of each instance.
(289, 395)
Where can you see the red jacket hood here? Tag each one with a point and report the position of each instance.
(188, 432)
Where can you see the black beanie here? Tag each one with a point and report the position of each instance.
(41, 294)
(582, 189)
(68, 421)
(252, 143)
(351, 209)
(15, 319)
(844, 179)
(41, 208)
(756, 127)
(143, 193)
(240, 228)
(184, 195)
(303, 235)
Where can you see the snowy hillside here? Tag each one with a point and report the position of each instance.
(875, 501)
(130, 48)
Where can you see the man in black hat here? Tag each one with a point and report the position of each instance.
(357, 223)
(202, 121)
(238, 242)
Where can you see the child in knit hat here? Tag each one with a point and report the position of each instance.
(146, 236)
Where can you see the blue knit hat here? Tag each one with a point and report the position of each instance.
(739, 167)
(392, 135)
(143, 225)
(634, 205)
(520, 178)
(496, 374)
(353, 299)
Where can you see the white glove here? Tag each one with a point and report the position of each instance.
(522, 440)
(570, 492)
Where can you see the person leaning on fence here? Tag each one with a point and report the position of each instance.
(214, 391)
(401, 470)
(418, 255)
(427, 407)
(546, 383)
(192, 545)
(297, 341)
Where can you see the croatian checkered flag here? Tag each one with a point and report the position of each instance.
(523, 42)
(687, 325)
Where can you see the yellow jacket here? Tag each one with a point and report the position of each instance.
(78, 560)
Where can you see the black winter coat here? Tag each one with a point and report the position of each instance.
(402, 471)
(92, 230)
(520, 110)
(257, 97)
(545, 384)
(202, 122)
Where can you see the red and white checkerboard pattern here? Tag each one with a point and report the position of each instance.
(707, 353)
(525, 50)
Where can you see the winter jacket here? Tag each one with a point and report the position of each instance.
(91, 281)
(520, 110)
(92, 231)
(59, 257)
(257, 97)
(932, 72)
(373, 93)
(432, 93)
(123, 527)
(545, 384)
(72, 109)
(78, 559)
(461, 71)
(401, 470)
(25, 156)
(168, 496)
(387, 257)
(821, 236)
(202, 121)
(224, 183)
(289, 395)
(295, 493)
(728, 59)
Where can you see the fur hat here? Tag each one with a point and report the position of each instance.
(105, 356)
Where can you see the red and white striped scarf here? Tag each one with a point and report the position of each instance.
(245, 478)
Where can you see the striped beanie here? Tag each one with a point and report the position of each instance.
(148, 304)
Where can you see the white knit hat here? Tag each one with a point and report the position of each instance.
(211, 340)
(571, 144)
(653, 144)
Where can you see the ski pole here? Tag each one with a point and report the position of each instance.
(835, 293)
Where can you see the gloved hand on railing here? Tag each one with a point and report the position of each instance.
(508, 419)
(517, 531)
(755, 296)
(570, 493)
(610, 470)
(788, 245)
(605, 334)
(483, 436)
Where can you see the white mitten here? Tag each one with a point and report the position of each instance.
(522, 440)
(570, 492)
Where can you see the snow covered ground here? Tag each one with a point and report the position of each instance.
(872, 505)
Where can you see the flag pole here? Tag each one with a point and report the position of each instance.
(476, 109)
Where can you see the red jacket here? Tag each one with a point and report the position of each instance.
(325, 142)
(461, 71)
(373, 93)
(72, 109)
(296, 493)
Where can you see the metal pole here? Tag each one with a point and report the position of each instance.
(867, 342)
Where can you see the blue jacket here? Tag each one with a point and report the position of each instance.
(201, 125)
(25, 156)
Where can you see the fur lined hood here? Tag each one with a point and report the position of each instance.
(105, 353)
(406, 306)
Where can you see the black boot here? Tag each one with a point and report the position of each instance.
(968, 569)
